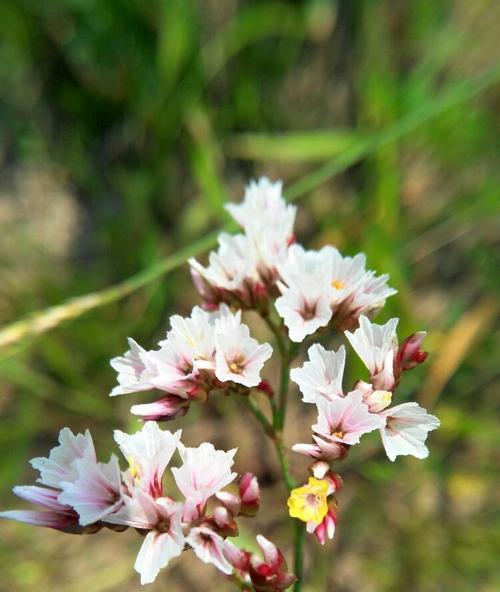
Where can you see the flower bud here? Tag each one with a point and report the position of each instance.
(320, 469)
(165, 409)
(224, 522)
(378, 400)
(250, 495)
(410, 354)
(230, 501)
(327, 528)
(238, 558)
(270, 574)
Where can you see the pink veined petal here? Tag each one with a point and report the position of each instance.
(155, 553)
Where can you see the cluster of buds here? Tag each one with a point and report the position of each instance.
(297, 292)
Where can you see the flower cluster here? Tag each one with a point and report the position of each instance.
(207, 352)
(344, 417)
(298, 293)
(79, 494)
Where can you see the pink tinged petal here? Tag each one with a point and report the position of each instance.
(139, 511)
(230, 501)
(209, 547)
(130, 368)
(321, 376)
(59, 466)
(165, 409)
(41, 496)
(406, 430)
(96, 492)
(155, 553)
(49, 518)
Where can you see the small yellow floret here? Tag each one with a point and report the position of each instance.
(338, 284)
(308, 503)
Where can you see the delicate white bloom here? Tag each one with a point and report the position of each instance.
(376, 345)
(406, 430)
(372, 294)
(239, 358)
(304, 310)
(304, 304)
(196, 332)
(204, 472)
(230, 266)
(263, 206)
(163, 518)
(346, 419)
(209, 547)
(345, 274)
(268, 221)
(130, 368)
(96, 492)
(148, 453)
(59, 466)
(321, 376)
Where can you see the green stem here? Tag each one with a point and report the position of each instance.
(300, 533)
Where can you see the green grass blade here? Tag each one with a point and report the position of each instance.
(51, 317)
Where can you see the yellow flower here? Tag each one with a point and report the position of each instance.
(308, 503)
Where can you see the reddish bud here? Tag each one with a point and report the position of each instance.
(410, 354)
(265, 387)
(249, 494)
(223, 522)
(270, 574)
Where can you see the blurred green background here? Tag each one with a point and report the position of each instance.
(126, 124)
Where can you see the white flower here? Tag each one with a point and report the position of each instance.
(321, 376)
(96, 492)
(268, 222)
(304, 310)
(230, 266)
(406, 430)
(196, 332)
(130, 368)
(345, 419)
(344, 273)
(163, 518)
(372, 293)
(263, 206)
(59, 466)
(204, 472)
(148, 453)
(376, 345)
(239, 358)
(209, 547)
(304, 304)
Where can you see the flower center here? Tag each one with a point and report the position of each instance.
(236, 366)
(338, 284)
(163, 525)
(308, 311)
(338, 434)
